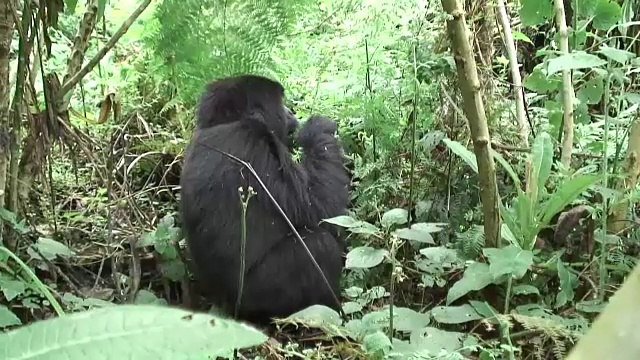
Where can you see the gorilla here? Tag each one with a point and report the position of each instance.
(245, 116)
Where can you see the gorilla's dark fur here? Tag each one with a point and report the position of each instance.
(245, 116)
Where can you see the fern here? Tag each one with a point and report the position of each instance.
(471, 242)
(205, 39)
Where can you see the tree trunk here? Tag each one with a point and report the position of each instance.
(6, 34)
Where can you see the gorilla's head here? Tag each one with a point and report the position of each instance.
(247, 98)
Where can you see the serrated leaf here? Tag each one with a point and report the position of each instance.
(466, 155)
(364, 257)
(574, 61)
(566, 193)
(476, 277)
(455, 314)
(618, 55)
(509, 260)
(167, 333)
(394, 217)
(8, 318)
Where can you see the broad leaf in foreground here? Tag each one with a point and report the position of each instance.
(128, 332)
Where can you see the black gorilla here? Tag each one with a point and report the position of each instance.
(245, 116)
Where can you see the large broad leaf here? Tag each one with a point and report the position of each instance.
(476, 277)
(607, 14)
(535, 12)
(128, 332)
(455, 314)
(541, 159)
(568, 191)
(394, 217)
(573, 61)
(464, 153)
(509, 260)
(364, 257)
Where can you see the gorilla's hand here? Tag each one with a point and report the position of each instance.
(316, 126)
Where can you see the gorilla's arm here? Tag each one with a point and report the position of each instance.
(317, 188)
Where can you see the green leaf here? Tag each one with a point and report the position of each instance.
(364, 257)
(351, 307)
(432, 342)
(573, 61)
(607, 14)
(455, 314)
(316, 316)
(525, 290)
(466, 155)
(405, 319)
(353, 225)
(440, 255)
(147, 297)
(11, 288)
(420, 232)
(592, 90)
(8, 318)
(167, 333)
(344, 221)
(476, 277)
(517, 35)
(567, 282)
(70, 6)
(50, 248)
(618, 55)
(394, 217)
(507, 167)
(535, 12)
(377, 343)
(586, 8)
(538, 82)
(566, 193)
(509, 260)
(173, 269)
(541, 159)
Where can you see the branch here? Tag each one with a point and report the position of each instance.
(75, 79)
(567, 88)
(515, 73)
